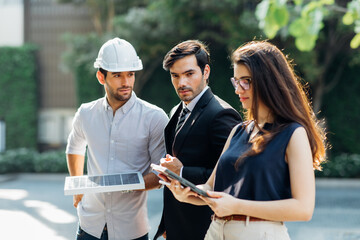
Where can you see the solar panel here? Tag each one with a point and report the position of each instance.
(103, 183)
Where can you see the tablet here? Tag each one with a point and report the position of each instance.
(183, 181)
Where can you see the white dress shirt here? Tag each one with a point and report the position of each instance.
(130, 140)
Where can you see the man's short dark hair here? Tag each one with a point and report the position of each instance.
(187, 48)
(103, 71)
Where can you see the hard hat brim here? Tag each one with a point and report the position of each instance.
(137, 66)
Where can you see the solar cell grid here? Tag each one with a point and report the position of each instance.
(103, 183)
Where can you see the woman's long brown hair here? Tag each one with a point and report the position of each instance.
(276, 85)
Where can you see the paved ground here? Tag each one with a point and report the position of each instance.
(33, 206)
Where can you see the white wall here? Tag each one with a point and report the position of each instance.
(55, 125)
(11, 22)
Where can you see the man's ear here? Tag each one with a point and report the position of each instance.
(206, 71)
(100, 77)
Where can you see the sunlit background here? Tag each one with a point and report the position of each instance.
(47, 50)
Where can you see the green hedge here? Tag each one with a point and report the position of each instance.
(342, 112)
(79, 59)
(341, 166)
(29, 160)
(18, 95)
(87, 86)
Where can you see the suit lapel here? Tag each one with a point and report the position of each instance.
(170, 128)
(184, 131)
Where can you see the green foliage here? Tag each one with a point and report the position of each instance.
(29, 160)
(18, 95)
(306, 28)
(87, 86)
(16, 160)
(341, 166)
(355, 42)
(157, 25)
(343, 113)
(307, 19)
(154, 30)
(81, 54)
(352, 16)
(50, 162)
(272, 15)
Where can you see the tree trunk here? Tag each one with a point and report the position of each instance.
(326, 81)
(110, 17)
(143, 76)
(318, 96)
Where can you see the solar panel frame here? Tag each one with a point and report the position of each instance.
(126, 181)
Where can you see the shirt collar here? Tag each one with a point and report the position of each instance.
(193, 102)
(106, 105)
(124, 108)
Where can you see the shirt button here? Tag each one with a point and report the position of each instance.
(108, 210)
(112, 158)
(112, 141)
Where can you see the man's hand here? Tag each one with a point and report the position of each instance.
(77, 199)
(171, 163)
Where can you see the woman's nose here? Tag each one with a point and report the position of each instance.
(239, 89)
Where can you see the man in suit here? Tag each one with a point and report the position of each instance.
(194, 136)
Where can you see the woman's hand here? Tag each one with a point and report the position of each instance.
(180, 193)
(221, 203)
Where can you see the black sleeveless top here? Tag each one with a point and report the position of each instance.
(262, 177)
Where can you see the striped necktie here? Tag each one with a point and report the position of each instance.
(182, 118)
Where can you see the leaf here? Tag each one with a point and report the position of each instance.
(355, 42)
(271, 30)
(306, 42)
(348, 18)
(281, 16)
(298, 2)
(298, 27)
(309, 8)
(280, 2)
(262, 10)
(357, 26)
(271, 27)
(316, 19)
(328, 2)
(274, 21)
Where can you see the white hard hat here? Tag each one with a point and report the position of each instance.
(118, 55)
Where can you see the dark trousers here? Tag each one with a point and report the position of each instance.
(82, 235)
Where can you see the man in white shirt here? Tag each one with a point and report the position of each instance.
(120, 133)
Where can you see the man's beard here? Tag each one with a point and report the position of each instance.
(185, 98)
(119, 97)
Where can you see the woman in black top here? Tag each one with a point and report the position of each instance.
(265, 174)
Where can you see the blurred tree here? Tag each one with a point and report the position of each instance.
(322, 32)
(152, 26)
(322, 37)
(82, 49)
(307, 20)
(154, 29)
(104, 11)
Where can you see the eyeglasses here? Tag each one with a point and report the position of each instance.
(244, 83)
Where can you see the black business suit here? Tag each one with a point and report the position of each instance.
(198, 145)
